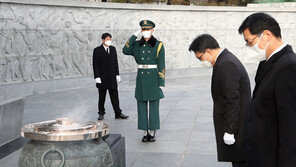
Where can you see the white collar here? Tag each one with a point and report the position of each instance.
(107, 48)
(277, 50)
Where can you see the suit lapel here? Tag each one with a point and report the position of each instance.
(265, 67)
(260, 69)
(103, 51)
(218, 61)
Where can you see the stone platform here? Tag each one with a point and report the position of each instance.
(186, 137)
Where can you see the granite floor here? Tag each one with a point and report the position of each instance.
(186, 137)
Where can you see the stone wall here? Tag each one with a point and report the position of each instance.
(47, 46)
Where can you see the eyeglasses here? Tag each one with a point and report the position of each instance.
(250, 43)
(199, 58)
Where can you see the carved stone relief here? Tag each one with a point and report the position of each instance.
(40, 42)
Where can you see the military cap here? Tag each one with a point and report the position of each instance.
(147, 24)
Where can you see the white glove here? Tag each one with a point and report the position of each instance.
(98, 80)
(161, 87)
(137, 33)
(118, 79)
(228, 138)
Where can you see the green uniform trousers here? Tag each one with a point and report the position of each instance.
(153, 122)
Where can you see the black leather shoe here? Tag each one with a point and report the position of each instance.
(145, 138)
(121, 116)
(101, 117)
(151, 138)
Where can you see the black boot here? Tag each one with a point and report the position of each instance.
(100, 117)
(152, 136)
(121, 116)
(145, 137)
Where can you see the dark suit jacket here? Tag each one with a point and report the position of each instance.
(231, 94)
(105, 66)
(271, 137)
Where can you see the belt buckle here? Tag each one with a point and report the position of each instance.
(145, 66)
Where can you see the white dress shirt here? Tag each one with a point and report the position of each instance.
(107, 48)
(277, 50)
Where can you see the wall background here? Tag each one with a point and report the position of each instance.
(46, 46)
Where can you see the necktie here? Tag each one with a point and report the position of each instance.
(107, 50)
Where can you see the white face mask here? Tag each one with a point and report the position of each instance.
(261, 52)
(108, 43)
(205, 63)
(146, 34)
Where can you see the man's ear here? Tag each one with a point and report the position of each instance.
(268, 34)
(152, 30)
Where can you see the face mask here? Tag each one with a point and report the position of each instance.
(205, 63)
(108, 43)
(146, 34)
(261, 52)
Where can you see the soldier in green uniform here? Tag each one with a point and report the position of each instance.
(150, 57)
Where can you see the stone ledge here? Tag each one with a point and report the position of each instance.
(155, 7)
(275, 4)
(11, 118)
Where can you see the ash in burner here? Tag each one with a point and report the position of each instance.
(65, 121)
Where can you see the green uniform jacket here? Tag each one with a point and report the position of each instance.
(148, 80)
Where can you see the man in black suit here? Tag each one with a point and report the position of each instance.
(231, 95)
(271, 129)
(106, 74)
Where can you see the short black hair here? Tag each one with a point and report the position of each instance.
(258, 22)
(105, 35)
(203, 42)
